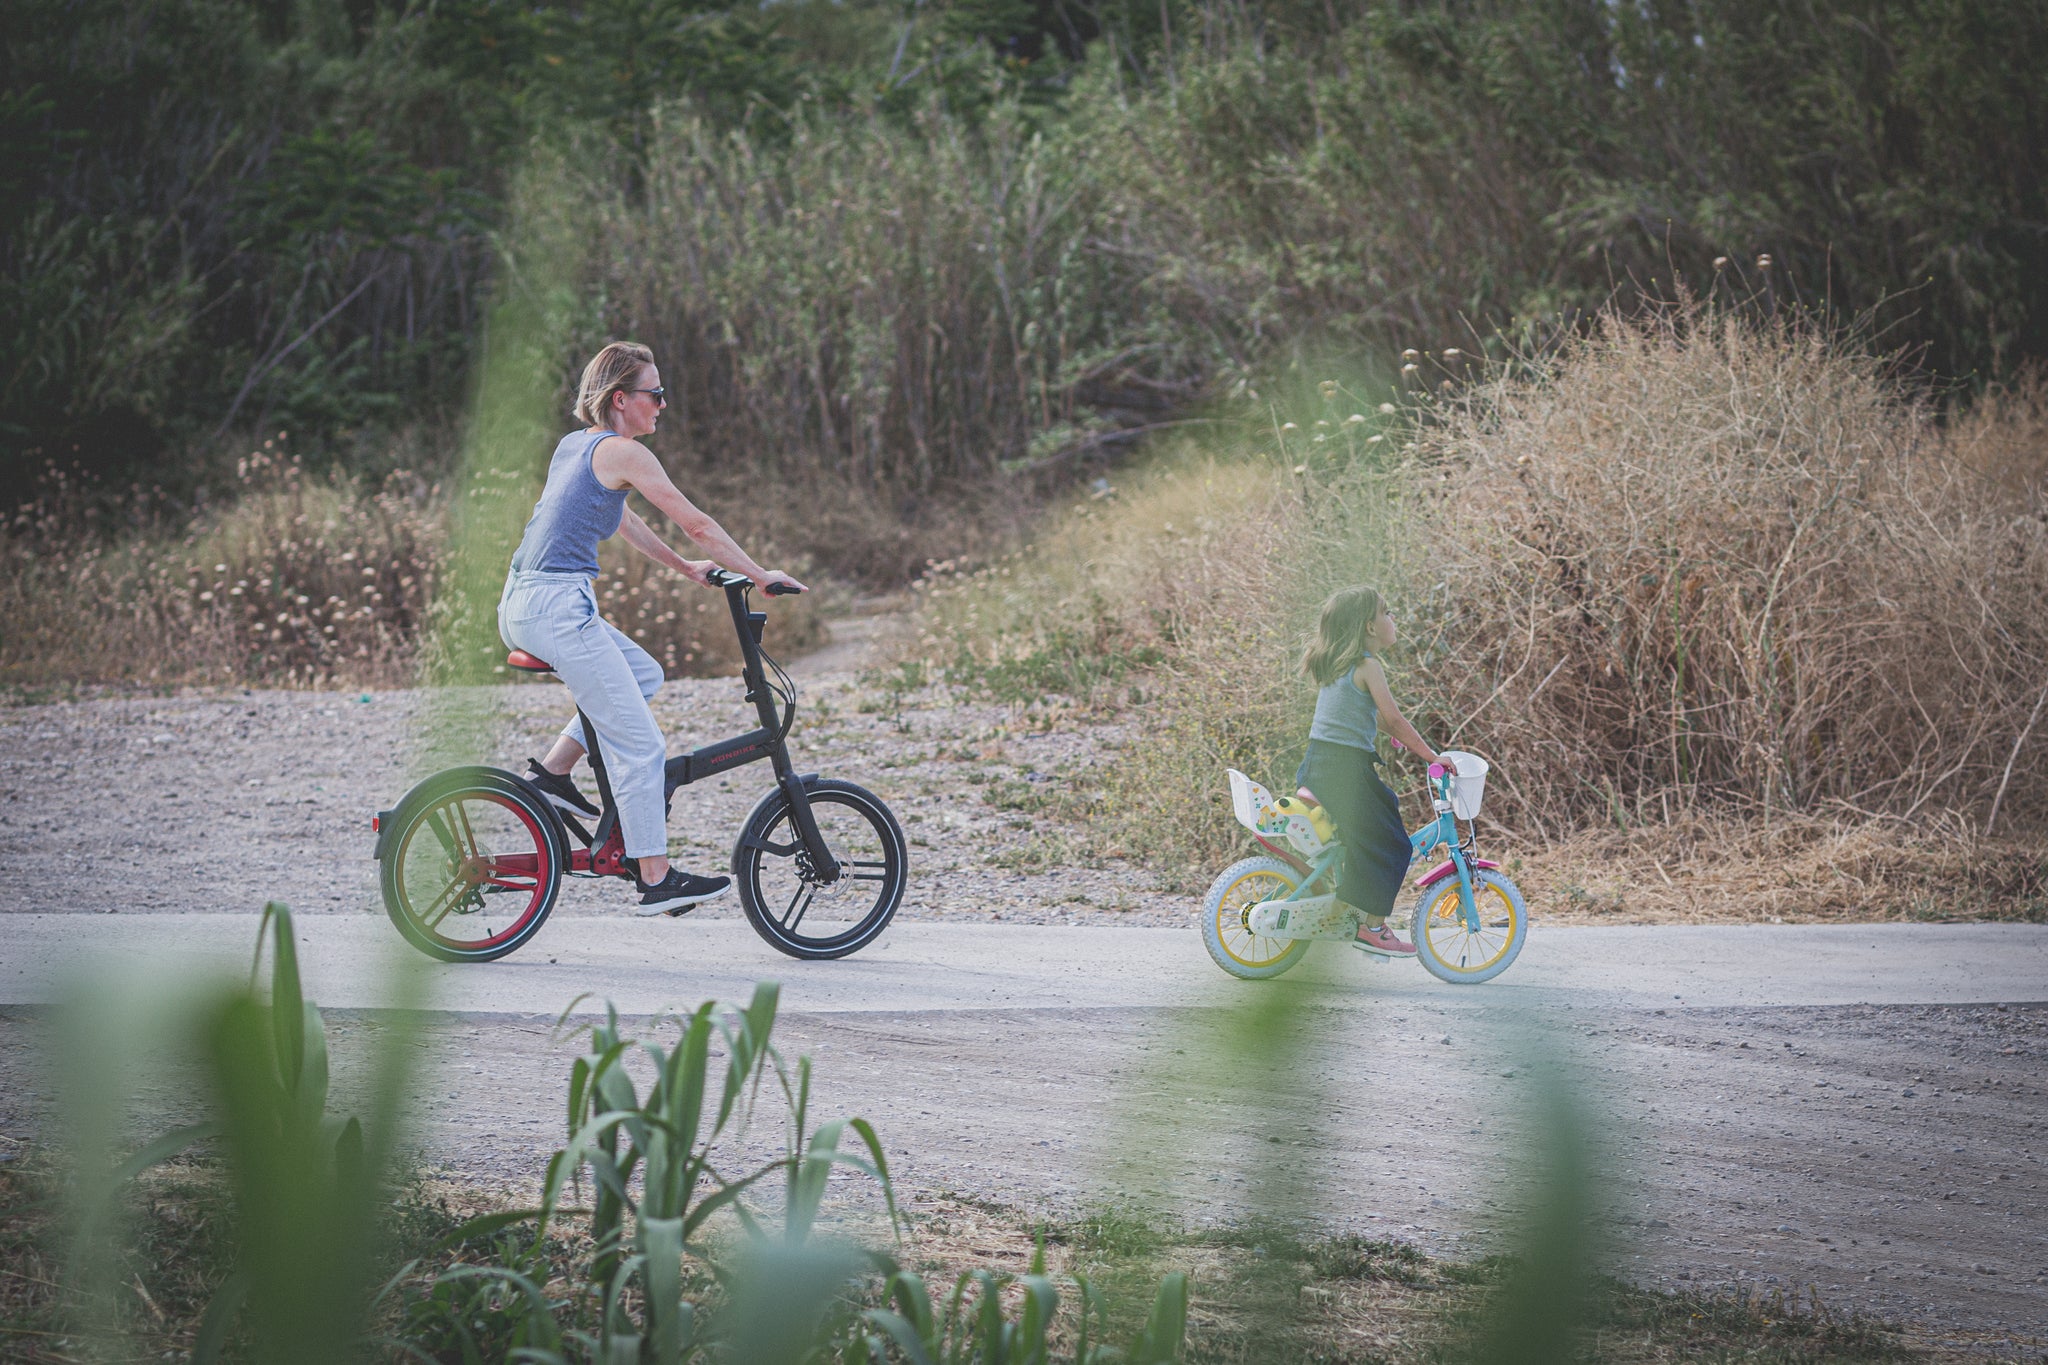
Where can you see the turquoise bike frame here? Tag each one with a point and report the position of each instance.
(1442, 830)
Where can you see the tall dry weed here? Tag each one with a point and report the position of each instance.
(300, 580)
(1702, 560)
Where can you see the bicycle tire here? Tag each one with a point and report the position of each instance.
(862, 833)
(1231, 944)
(456, 834)
(1496, 897)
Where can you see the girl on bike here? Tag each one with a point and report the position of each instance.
(1352, 709)
(549, 609)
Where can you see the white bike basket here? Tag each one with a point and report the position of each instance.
(1468, 788)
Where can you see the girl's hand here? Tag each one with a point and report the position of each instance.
(1449, 766)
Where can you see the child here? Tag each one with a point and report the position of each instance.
(1351, 710)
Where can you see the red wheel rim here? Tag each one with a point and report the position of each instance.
(514, 859)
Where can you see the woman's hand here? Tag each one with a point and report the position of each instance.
(698, 571)
(778, 576)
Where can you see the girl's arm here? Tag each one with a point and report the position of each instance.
(641, 537)
(621, 463)
(1373, 679)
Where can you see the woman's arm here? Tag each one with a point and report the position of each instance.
(641, 537)
(622, 463)
(1373, 679)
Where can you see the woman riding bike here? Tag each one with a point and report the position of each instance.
(549, 609)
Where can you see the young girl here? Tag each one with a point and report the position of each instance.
(1352, 709)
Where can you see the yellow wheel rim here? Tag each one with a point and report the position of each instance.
(1253, 950)
(1455, 946)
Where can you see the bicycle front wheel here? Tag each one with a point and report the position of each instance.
(789, 904)
(1447, 945)
(472, 864)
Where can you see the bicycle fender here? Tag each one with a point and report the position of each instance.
(1447, 868)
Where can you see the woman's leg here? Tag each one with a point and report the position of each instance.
(611, 687)
(570, 745)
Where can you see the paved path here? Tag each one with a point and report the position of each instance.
(646, 965)
(1856, 1110)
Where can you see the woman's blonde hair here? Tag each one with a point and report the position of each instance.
(610, 370)
(1341, 634)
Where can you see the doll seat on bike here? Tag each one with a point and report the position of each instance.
(519, 658)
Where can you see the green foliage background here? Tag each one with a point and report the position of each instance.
(909, 245)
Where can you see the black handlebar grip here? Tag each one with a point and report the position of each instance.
(781, 589)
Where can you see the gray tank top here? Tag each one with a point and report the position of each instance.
(1346, 715)
(575, 512)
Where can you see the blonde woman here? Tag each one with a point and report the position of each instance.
(550, 610)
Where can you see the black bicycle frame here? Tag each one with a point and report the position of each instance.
(768, 741)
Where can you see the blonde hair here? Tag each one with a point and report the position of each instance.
(610, 370)
(1341, 634)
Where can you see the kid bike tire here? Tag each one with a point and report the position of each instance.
(779, 892)
(1233, 946)
(1451, 952)
(471, 864)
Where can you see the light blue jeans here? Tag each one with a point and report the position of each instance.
(554, 616)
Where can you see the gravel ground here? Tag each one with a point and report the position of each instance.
(221, 800)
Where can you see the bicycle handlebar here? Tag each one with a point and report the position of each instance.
(726, 578)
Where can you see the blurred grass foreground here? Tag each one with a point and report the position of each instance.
(277, 1230)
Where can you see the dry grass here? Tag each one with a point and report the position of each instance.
(1800, 871)
(299, 580)
(1699, 563)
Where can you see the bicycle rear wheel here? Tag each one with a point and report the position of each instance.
(784, 898)
(471, 864)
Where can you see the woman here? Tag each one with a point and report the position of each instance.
(549, 610)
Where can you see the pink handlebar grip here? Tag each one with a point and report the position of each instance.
(1436, 770)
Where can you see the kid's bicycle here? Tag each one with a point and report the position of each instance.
(472, 859)
(1261, 913)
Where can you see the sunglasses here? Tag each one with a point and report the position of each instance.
(658, 395)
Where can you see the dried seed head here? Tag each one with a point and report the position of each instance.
(1453, 353)
(1354, 419)
(1388, 409)
(1289, 426)
(1720, 263)
(1763, 262)
(1410, 368)
(1411, 355)
(1329, 388)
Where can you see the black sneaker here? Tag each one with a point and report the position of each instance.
(678, 891)
(560, 791)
